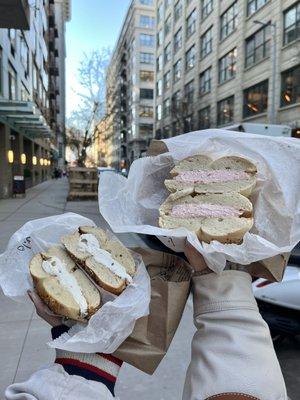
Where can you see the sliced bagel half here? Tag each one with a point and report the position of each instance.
(109, 264)
(224, 217)
(226, 174)
(63, 286)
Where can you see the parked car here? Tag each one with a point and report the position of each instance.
(279, 303)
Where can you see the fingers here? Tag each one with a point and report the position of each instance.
(43, 311)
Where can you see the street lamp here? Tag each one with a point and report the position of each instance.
(10, 156)
(23, 158)
(272, 115)
(34, 160)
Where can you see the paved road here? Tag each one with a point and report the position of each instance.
(23, 335)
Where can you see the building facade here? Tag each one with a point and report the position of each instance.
(130, 85)
(214, 64)
(32, 96)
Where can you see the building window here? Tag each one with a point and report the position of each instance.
(229, 20)
(290, 86)
(176, 101)
(146, 112)
(159, 37)
(178, 40)
(147, 58)
(12, 83)
(159, 13)
(190, 57)
(256, 99)
(258, 46)
(177, 69)
(205, 81)
(159, 63)
(191, 23)
(189, 92)
(291, 18)
(25, 56)
(188, 123)
(168, 25)
(167, 107)
(254, 5)
(146, 40)
(178, 10)
(225, 111)
(167, 3)
(146, 21)
(167, 53)
(146, 93)
(167, 131)
(158, 112)
(206, 8)
(13, 40)
(146, 2)
(159, 87)
(204, 118)
(206, 43)
(167, 80)
(1, 72)
(147, 76)
(227, 66)
(146, 129)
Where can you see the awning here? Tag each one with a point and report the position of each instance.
(24, 117)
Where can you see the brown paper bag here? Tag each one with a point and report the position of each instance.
(152, 335)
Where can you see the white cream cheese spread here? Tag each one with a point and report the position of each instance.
(88, 243)
(55, 267)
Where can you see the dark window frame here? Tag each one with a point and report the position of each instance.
(175, 67)
(178, 10)
(252, 107)
(296, 25)
(188, 58)
(227, 66)
(146, 97)
(290, 92)
(191, 23)
(228, 22)
(178, 40)
(257, 46)
(207, 7)
(167, 79)
(205, 81)
(207, 49)
(223, 119)
(204, 115)
(167, 53)
(257, 6)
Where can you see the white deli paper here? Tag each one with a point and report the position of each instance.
(131, 204)
(112, 323)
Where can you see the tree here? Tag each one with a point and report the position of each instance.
(91, 107)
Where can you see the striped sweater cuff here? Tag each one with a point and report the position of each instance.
(99, 367)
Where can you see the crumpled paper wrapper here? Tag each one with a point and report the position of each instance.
(131, 204)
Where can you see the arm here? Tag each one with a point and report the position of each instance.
(232, 351)
(74, 375)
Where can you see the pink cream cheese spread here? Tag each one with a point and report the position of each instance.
(212, 176)
(204, 210)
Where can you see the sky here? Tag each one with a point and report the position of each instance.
(94, 24)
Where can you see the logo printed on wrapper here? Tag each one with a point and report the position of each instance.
(26, 244)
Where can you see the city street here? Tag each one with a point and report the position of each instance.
(23, 335)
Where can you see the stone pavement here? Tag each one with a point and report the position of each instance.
(23, 335)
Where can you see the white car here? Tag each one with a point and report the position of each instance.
(279, 303)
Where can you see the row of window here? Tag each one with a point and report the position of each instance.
(255, 98)
(228, 23)
(257, 47)
(206, 8)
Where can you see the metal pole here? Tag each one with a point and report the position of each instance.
(273, 114)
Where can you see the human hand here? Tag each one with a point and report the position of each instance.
(43, 311)
(195, 259)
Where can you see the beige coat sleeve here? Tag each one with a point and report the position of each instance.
(232, 350)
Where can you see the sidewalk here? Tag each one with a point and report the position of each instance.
(23, 335)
